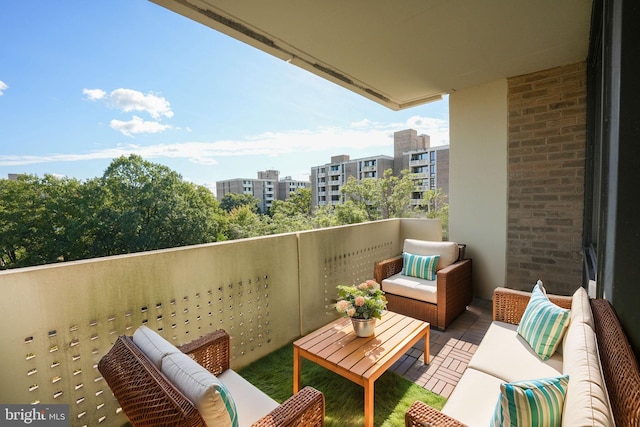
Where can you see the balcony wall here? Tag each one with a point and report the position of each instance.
(60, 319)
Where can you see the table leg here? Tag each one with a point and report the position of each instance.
(296, 369)
(368, 404)
(427, 338)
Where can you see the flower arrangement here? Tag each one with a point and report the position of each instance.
(365, 301)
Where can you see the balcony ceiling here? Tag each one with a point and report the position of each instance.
(408, 52)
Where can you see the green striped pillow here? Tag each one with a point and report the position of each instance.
(543, 323)
(420, 266)
(531, 403)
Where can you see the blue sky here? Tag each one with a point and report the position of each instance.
(83, 82)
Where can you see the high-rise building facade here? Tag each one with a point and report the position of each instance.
(428, 167)
(328, 179)
(266, 188)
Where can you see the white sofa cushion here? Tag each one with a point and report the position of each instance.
(448, 251)
(474, 398)
(411, 287)
(587, 389)
(252, 404)
(208, 393)
(506, 355)
(153, 345)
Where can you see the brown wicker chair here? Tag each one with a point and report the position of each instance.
(454, 293)
(149, 399)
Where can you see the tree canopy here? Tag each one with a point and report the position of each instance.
(138, 205)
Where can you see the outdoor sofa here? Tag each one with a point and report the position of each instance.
(157, 384)
(437, 296)
(603, 379)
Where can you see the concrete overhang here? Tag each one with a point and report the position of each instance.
(407, 52)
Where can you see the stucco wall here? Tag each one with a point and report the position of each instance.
(478, 180)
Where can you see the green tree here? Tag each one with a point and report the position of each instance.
(245, 222)
(38, 220)
(381, 198)
(364, 196)
(394, 195)
(148, 206)
(231, 201)
(293, 214)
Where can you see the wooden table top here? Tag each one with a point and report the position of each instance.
(337, 347)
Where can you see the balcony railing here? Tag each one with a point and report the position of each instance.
(60, 319)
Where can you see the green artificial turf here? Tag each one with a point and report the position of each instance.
(344, 400)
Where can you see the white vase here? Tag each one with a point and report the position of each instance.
(364, 327)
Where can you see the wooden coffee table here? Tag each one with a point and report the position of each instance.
(361, 360)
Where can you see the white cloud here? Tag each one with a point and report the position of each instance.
(94, 94)
(3, 87)
(129, 100)
(137, 125)
(372, 136)
(437, 129)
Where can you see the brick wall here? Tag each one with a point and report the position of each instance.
(546, 153)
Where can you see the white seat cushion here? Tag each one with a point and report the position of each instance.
(506, 355)
(411, 287)
(153, 345)
(474, 399)
(448, 251)
(251, 403)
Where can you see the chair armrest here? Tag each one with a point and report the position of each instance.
(210, 351)
(455, 291)
(138, 385)
(305, 408)
(387, 268)
(509, 304)
(422, 415)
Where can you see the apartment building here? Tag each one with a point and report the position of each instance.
(266, 188)
(429, 167)
(328, 179)
(287, 186)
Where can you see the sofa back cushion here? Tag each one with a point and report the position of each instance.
(448, 251)
(153, 345)
(208, 393)
(587, 401)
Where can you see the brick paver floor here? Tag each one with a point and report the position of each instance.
(451, 351)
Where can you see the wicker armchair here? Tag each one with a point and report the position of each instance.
(149, 399)
(454, 293)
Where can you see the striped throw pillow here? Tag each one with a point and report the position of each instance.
(421, 266)
(543, 323)
(531, 403)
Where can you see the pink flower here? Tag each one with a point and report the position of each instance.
(342, 306)
(363, 286)
(351, 312)
(359, 301)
